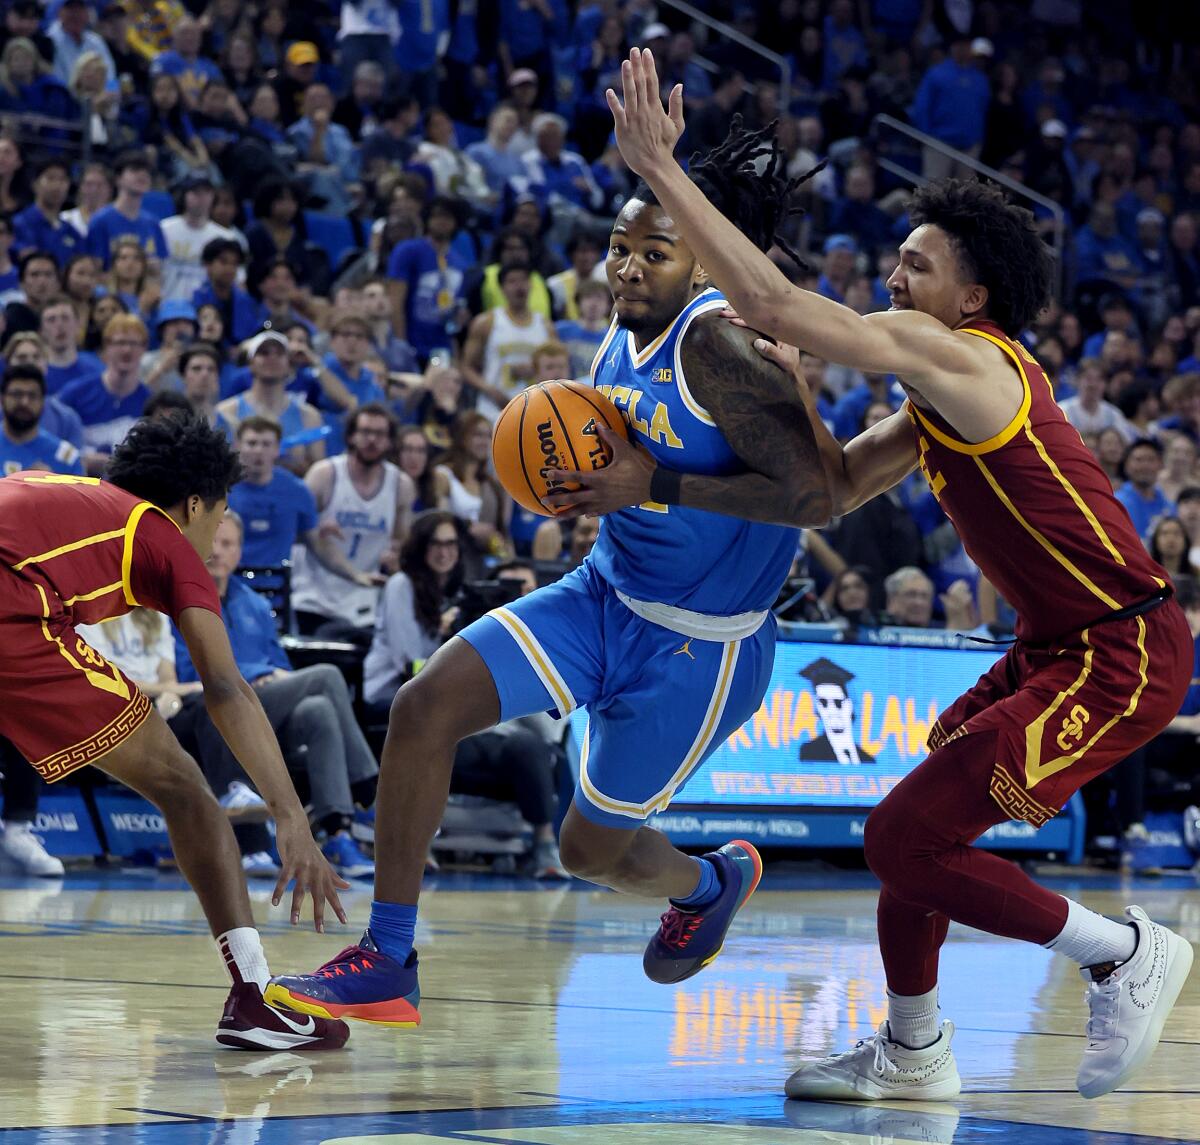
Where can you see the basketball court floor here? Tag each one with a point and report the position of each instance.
(540, 1028)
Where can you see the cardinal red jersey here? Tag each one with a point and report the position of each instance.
(74, 550)
(98, 551)
(1035, 511)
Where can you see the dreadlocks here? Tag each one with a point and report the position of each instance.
(745, 178)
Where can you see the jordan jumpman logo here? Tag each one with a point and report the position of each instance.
(686, 650)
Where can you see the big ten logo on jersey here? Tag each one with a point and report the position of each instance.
(657, 428)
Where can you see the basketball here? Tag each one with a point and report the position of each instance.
(551, 425)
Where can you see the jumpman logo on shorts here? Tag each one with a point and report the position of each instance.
(686, 650)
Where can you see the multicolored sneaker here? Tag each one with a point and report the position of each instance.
(248, 1023)
(361, 983)
(687, 941)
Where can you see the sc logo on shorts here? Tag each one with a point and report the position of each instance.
(1072, 728)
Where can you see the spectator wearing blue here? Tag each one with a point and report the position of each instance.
(349, 348)
(582, 336)
(276, 507)
(398, 356)
(426, 276)
(27, 85)
(308, 709)
(200, 368)
(39, 226)
(26, 348)
(65, 362)
(39, 281)
(369, 30)
(1140, 494)
(845, 45)
(389, 145)
(72, 36)
(24, 443)
(175, 330)
(528, 31)
(1102, 253)
(110, 404)
(242, 316)
(1116, 314)
(554, 173)
(125, 219)
(424, 32)
(328, 157)
(184, 61)
(855, 213)
(841, 255)
(951, 105)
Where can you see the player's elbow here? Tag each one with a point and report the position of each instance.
(809, 508)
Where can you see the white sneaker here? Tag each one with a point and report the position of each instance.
(22, 847)
(244, 805)
(879, 1068)
(260, 865)
(1130, 1007)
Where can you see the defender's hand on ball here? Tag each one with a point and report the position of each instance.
(623, 482)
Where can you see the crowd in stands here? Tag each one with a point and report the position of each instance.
(349, 233)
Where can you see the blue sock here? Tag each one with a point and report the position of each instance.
(708, 889)
(392, 925)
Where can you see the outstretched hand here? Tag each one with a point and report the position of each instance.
(623, 482)
(646, 134)
(301, 860)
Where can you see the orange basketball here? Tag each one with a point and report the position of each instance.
(551, 425)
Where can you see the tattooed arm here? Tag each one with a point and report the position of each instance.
(760, 410)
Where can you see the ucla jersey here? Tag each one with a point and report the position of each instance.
(688, 558)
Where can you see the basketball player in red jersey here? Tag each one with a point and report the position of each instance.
(75, 550)
(1103, 656)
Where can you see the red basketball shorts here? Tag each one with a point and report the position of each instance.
(62, 704)
(1063, 714)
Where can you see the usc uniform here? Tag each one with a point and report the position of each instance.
(76, 550)
(1103, 656)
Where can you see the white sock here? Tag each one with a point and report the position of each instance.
(913, 1019)
(241, 948)
(1089, 938)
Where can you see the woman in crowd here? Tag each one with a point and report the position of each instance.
(168, 128)
(417, 614)
(1109, 450)
(80, 279)
(1169, 546)
(474, 494)
(94, 193)
(1179, 466)
(848, 597)
(413, 455)
(130, 280)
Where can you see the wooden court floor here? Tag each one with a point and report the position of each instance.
(540, 1028)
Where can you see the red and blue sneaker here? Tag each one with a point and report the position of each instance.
(687, 941)
(361, 983)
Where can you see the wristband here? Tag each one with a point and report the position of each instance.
(664, 486)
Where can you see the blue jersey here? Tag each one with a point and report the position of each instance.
(274, 516)
(689, 558)
(44, 452)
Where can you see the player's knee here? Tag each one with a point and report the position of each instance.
(424, 709)
(883, 843)
(179, 786)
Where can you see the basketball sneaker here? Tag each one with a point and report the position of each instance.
(1129, 1005)
(23, 849)
(361, 982)
(878, 1068)
(687, 941)
(346, 858)
(248, 1023)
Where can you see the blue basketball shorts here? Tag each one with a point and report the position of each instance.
(659, 703)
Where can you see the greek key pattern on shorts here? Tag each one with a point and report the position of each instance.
(939, 737)
(62, 763)
(1016, 801)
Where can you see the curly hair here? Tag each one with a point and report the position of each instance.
(745, 178)
(996, 244)
(166, 460)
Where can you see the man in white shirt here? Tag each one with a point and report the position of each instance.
(187, 234)
(1087, 411)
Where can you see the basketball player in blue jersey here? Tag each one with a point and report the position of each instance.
(664, 633)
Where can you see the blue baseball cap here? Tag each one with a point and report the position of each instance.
(841, 242)
(175, 310)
